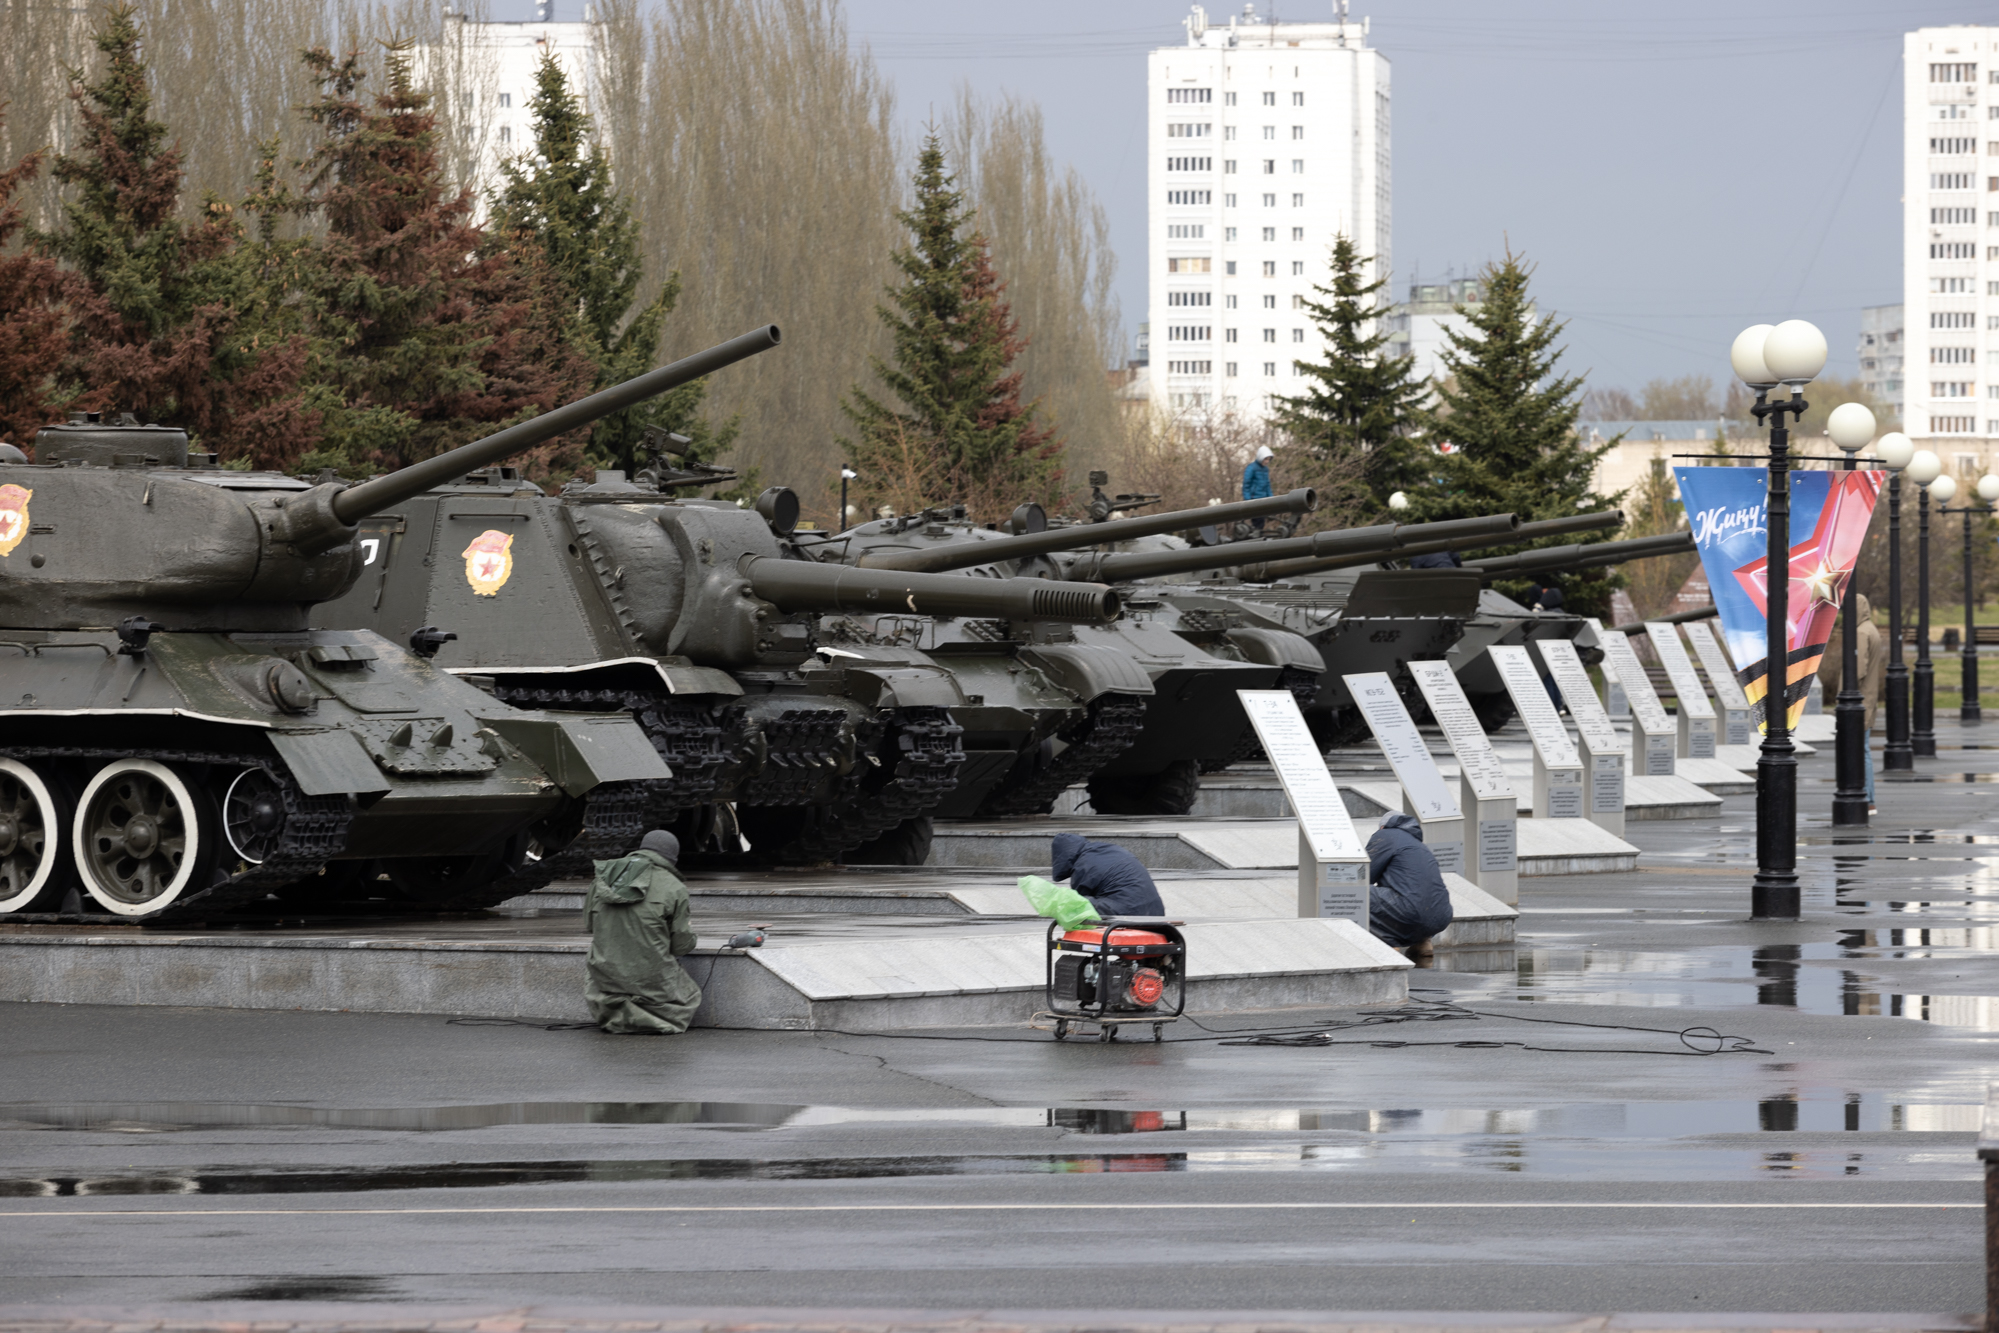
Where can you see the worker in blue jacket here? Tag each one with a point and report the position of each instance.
(1256, 480)
(1410, 902)
(1114, 880)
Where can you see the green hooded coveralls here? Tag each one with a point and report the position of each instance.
(637, 918)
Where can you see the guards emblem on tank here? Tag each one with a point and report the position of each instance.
(13, 516)
(489, 562)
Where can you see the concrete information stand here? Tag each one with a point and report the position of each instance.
(1485, 793)
(1736, 726)
(1696, 730)
(1332, 864)
(1604, 751)
(1653, 737)
(1424, 792)
(1614, 701)
(1558, 770)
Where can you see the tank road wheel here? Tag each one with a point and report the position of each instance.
(34, 838)
(1171, 791)
(253, 815)
(145, 835)
(435, 880)
(907, 844)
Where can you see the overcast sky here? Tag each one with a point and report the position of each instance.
(1675, 171)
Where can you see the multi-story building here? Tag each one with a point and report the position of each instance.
(490, 67)
(1417, 327)
(1950, 239)
(1881, 348)
(1266, 141)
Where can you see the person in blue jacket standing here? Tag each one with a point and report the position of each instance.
(1256, 480)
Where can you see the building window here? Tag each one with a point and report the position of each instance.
(1185, 231)
(1190, 367)
(1188, 333)
(1951, 147)
(1228, 201)
(1952, 425)
(1297, 131)
(1992, 219)
(1190, 94)
(1190, 164)
(1297, 233)
(1950, 319)
(1228, 233)
(1945, 216)
(1939, 388)
(1950, 286)
(1297, 99)
(1228, 166)
(1228, 336)
(1229, 268)
(1270, 166)
(1270, 99)
(506, 99)
(1229, 300)
(1953, 250)
(1228, 134)
(1967, 464)
(1270, 131)
(1992, 391)
(1228, 99)
(1190, 298)
(1951, 356)
(1189, 130)
(1185, 197)
(1297, 303)
(1297, 166)
(1269, 268)
(1270, 369)
(1270, 201)
(1954, 73)
(1228, 367)
(1952, 180)
(1297, 268)
(1297, 201)
(506, 134)
(1270, 233)
(1297, 335)
(1200, 264)
(1270, 336)
(1270, 300)
(1953, 113)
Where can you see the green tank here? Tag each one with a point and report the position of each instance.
(180, 741)
(700, 619)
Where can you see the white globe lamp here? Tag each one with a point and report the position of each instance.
(1895, 450)
(1851, 426)
(1988, 488)
(1746, 356)
(1924, 467)
(1399, 500)
(1794, 352)
(1943, 489)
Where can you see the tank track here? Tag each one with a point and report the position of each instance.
(929, 752)
(798, 746)
(688, 736)
(315, 832)
(1304, 687)
(1112, 727)
(614, 819)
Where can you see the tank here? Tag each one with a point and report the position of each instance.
(180, 741)
(1153, 698)
(700, 619)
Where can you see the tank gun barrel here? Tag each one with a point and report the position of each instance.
(1583, 555)
(805, 585)
(966, 555)
(370, 497)
(1378, 540)
(1677, 618)
(1525, 532)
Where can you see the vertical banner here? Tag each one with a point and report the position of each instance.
(1727, 508)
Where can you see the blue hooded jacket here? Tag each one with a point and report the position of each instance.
(1109, 876)
(1256, 480)
(1409, 902)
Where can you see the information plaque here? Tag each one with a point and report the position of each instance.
(1653, 738)
(1736, 726)
(1485, 792)
(1332, 864)
(1424, 791)
(1614, 702)
(1558, 769)
(1603, 749)
(1696, 729)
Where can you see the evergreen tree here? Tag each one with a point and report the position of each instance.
(170, 320)
(962, 432)
(34, 325)
(426, 334)
(1512, 421)
(1360, 405)
(561, 199)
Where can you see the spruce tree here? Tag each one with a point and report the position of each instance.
(962, 432)
(34, 325)
(170, 320)
(562, 199)
(427, 334)
(1361, 405)
(1512, 421)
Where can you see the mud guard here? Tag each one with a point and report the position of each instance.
(329, 763)
(1278, 648)
(580, 750)
(1088, 671)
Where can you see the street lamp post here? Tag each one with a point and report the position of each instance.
(1851, 427)
(1968, 710)
(847, 474)
(1792, 354)
(1895, 451)
(1925, 470)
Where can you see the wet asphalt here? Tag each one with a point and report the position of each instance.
(1769, 1117)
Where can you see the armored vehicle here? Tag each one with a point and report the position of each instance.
(178, 741)
(1157, 702)
(699, 618)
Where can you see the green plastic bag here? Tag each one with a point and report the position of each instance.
(1069, 908)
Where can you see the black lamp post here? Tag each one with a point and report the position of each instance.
(847, 474)
(1792, 353)
(1987, 490)
(1851, 427)
(1895, 451)
(1924, 470)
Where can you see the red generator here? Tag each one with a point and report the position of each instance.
(1113, 972)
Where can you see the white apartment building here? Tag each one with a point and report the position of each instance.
(1266, 140)
(1881, 347)
(1950, 238)
(491, 71)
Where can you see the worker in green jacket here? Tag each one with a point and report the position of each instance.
(637, 918)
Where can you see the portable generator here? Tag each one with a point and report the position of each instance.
(1116, 971)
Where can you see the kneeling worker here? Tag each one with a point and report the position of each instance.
(1409, 903)
(637, 918)
(1114, 880)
